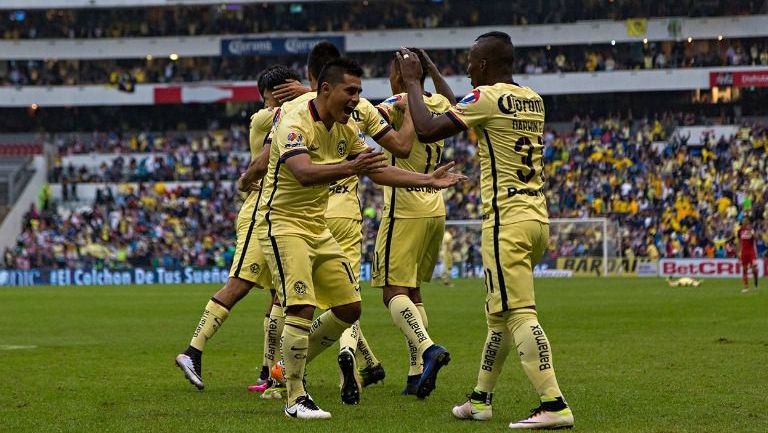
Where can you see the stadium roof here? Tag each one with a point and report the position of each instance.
(72, 4)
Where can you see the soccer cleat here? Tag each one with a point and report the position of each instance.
(259, 387)
(350, 384)
(412, 384)
(275, 391)
(192, 368)
(305, 408)
(477, 407)
(371, 375)
(554, 415)
(435, 357)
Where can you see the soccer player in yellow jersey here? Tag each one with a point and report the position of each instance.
(414, 219)
(312, 146)
(343, 214)
(248, 267)
(509, 120)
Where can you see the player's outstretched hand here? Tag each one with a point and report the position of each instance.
(443, 177)
(368, 162)
(290, 90)
(410, 66)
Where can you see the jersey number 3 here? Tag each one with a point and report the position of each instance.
(521, 143)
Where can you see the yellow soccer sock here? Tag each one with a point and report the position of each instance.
(364, 355)
(349, 337)
(326, 329)
(295, 345)
(406, 316)
(495, 351)
(273, 335)
(213, 316)
(415, 365)
(535, 352)
(423, 314)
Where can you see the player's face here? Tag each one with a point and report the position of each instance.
(474, 66)
(343, 98)
(270, 100)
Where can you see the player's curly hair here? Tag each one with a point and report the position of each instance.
(275, 75)
(333, 71)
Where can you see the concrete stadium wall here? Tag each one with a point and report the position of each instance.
(11, 225)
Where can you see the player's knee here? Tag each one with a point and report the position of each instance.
(349, 313)
(390, 292)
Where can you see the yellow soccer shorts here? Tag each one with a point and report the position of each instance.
(407, 250)
(310, 270)
(509, 254)
(249, 263)
(349, 234)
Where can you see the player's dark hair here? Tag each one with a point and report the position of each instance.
(322, 53)
(275, 75)
(504, 50)
(333, 71)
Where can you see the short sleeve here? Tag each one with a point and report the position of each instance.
(471, 110)
(371, 121)
(260, 126)
(389, 111)
(291, 138)
(359, 145)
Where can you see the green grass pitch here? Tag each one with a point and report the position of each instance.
(632, 355)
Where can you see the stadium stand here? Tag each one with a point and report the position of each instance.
(308, 17)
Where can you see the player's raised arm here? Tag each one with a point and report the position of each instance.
(428, 129)
(443, 177)
(441, 86)
(308, 174)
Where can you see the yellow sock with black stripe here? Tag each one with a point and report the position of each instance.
(350, 337)
(364, 355)
(406, 316)
(324, 333)
(272, 335)
(535, 352)
(214, 315)
(423, 313)
(295, 346)
(495, 351)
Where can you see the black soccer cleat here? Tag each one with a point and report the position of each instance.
(412, 384)
(435, 357)
(350, 385)
(372, 375)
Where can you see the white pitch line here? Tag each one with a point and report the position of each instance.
(15, 347)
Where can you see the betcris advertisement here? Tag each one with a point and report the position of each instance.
(276, 46)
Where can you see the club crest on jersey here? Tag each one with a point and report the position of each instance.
(300, 288)
(341, 147)
(471, 98)
(393, 99)
(255, 268)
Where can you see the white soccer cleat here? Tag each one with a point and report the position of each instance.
(545, 420)
(191, 371)
(478, 411)
(305, 408)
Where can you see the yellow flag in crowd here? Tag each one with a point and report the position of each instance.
(637, 26)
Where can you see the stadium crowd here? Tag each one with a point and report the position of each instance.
(670, 199)
(535, 60)
(365, 15)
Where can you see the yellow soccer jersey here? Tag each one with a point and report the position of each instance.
(344, 201)
(424, 158)
(509, 121)
(286, 207)
(261, 124)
